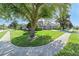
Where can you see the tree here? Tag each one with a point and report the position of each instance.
(33, 12)
(63, 15)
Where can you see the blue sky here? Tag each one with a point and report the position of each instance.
(74, 16)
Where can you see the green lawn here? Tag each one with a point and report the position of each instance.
(72, 48)
(20, 38)
(2, 33)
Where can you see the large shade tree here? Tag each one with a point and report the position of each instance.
(32, 12)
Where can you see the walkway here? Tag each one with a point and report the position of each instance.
(8, 49)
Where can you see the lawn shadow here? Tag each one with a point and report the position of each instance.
(24, 41)
(41, 40)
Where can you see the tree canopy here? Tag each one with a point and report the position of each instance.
(33, 12)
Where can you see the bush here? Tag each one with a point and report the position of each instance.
(28, 25)
(57, 28)
(38, 29)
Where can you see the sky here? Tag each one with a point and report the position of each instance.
(74, 16)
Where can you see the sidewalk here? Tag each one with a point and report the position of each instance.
(6, 37)
(8, 49)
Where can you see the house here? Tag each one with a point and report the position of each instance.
(47, 24)
(44, 24)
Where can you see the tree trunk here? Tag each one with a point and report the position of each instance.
(32, 30)
(32, 33)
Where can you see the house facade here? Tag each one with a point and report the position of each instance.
(47, 24)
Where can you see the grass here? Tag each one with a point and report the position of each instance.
(20, 38)
(72, 48)
(2, 33)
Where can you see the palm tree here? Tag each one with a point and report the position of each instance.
(32, 12)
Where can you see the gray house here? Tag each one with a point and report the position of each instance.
(47, 24)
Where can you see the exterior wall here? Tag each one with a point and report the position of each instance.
(50, 24)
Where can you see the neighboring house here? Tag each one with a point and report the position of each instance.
(47, 24)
